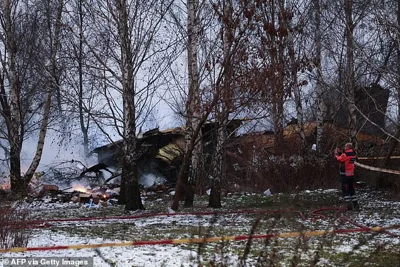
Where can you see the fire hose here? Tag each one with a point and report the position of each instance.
(315, 213)
(201, 240)
(344, 219)
(48, 222)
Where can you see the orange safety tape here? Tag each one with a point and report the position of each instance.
(377, 169)
(200, 240)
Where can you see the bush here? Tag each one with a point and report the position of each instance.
(14, 228)
(283, 173)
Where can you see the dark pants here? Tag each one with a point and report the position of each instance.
(349, 190)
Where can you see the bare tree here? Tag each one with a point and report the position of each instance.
(350, 76)
(196, 113)
(133, 56)
(219, 57)
(319, 89)
(225, 89)
(193, 102)
(20, 81)
(231, 81)
(392, 30)
(294, 56)
(79, 79)
(272, 53)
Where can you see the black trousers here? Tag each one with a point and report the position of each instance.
(349, 188)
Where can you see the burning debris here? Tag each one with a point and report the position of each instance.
(80, 193)
(92, 197)
(5, 183)
(6, 186)
(72, 181)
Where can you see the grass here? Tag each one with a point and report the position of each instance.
(380, 258)
(366, 249)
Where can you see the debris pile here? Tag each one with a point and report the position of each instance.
(70, 183)
(104, 195)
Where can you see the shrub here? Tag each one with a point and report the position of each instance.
(14, 228)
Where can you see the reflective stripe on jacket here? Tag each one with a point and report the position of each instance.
(348, 158)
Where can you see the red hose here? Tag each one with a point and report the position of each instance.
(316, 213)
(127, 217)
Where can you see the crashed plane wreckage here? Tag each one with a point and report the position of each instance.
(161, 152)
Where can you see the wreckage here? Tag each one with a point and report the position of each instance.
(160, 153)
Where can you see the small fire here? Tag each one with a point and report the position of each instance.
(5, 186)
(80, 188)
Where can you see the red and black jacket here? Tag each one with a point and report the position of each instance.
(347, 158)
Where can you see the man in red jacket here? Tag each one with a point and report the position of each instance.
(347, 159)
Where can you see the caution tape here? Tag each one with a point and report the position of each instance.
(377, 168)
(199, 240)
(365, 158)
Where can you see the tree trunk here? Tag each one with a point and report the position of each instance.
(182, 182)
(218, 164)
(129, 176)
(14, 121)
(296, 89)
(222, 112)
(16, 182)
(53, 85)
(383, 181)
(193, 104)
(319, 89)
(122, 194)
(278, 85)
(350, 77)
(80, 57)
(42, 137)
(215, 195)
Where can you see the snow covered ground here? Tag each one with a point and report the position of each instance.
(283, 214)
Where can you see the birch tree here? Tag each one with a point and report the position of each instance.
(350, 75)
(216, 55)
(230, 83)
(218, 171)
(80, 80)
(53, 73)
(193, 103)
(295, 54)
(318, 71)
(133, 54)
(197, 108)
(23, 104)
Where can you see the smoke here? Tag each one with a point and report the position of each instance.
(150, 179)
(55, 151)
